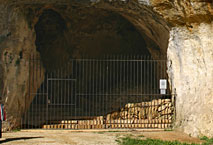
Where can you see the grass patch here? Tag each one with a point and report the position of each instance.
(133, 141)
(209, 141)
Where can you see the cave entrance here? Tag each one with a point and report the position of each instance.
(109, 92)
(95, 69)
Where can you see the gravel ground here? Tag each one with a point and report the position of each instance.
(86, 137)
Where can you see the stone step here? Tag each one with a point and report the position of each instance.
(107, 126)
(95, 124)
(116, 121)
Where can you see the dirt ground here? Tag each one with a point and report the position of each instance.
(86, 137)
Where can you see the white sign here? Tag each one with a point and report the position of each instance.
(163, 84)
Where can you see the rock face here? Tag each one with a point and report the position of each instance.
(190, 57)
(184, 12)
(15, 49)
(190, 68)
(188, 48)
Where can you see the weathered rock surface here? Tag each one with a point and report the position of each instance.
(191, 73)
(15, 49)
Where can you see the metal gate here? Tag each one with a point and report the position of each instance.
(109, 92)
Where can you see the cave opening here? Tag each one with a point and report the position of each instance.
(95, 65)
(96, 34)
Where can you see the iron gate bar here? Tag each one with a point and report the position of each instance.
(51, 93)
(91, 88)
(32, 76)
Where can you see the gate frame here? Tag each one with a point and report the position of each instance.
(173, 96)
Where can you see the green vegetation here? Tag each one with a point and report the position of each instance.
(133, 141)
(141, 140)
(169, 129)
(141, 136)
(16, 130)
(209, 141)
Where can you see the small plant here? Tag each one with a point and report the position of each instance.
(204, 138)
(16, 130)
(209, 141)
(118, 141)
(168, 129)
(141, 136)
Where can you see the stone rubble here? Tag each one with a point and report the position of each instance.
(155, 109)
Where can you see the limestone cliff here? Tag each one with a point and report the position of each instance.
(180, 30)
(190, 67)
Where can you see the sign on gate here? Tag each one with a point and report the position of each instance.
(163, 86)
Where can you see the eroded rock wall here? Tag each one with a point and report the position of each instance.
(184, 12)
(16, 46)
(190, 68)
